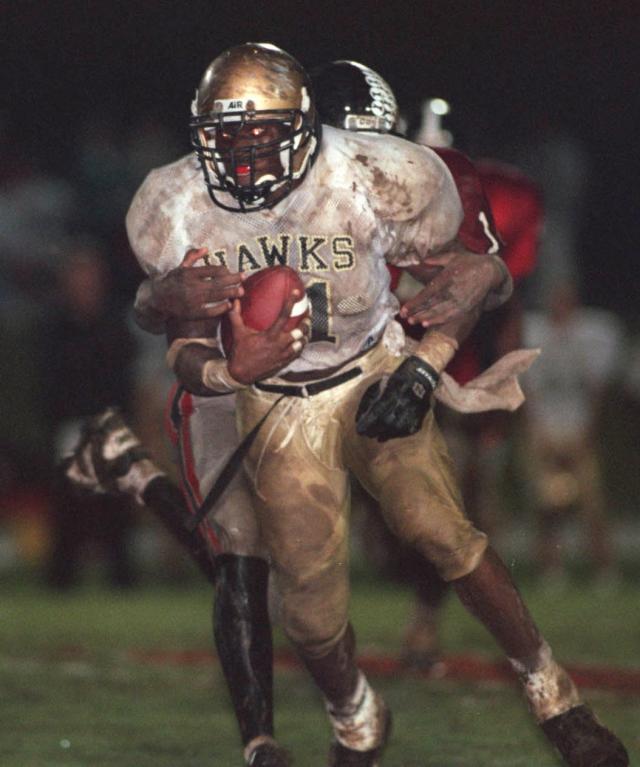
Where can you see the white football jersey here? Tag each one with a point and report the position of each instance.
(367, 200)
(578, 359)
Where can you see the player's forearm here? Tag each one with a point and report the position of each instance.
(149, 321)
(461, 326)
(464, 282)
(195, 359)
(189, 361)
(502, 287)
(438, 346)
(498, 284)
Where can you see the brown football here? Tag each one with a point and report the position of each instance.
(264, 294)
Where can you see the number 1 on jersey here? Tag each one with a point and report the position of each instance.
(318, 295)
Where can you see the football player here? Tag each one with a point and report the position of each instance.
(337, 214)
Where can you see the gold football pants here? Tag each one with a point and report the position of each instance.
(298, 468)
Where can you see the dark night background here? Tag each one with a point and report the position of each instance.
(505, 66)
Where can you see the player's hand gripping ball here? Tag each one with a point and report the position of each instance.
(265, 293)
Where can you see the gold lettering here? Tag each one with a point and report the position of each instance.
(273, 253)
(309, 251)
(245, 256)
(219, 258)
(342, 249)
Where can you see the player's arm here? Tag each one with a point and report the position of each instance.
(457, 281)
(202, 369)
(467, 272)
(145, 314)
(188, 292)
(193, 289)
(398, 409)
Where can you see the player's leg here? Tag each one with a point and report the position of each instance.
(555, 493)
(413, 479)
(360, 719)
(421, 647)
(478, 449)
(302, 499)
(131, 473)
(395, 560)
(489, 593)
(242, 629)
(242, 632)
(207, 433)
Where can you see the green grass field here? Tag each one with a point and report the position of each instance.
(74, 694)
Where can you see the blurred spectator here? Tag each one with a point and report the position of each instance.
(623, 427)
(631, 382)
(37, 210)
(581, 348)
(87, 351)
(102, 175)
(559, 163)
(153, 383)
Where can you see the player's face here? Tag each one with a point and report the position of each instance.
(252, 143)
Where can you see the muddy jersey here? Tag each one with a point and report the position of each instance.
(368, 200)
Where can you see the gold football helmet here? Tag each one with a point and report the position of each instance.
(254, 126)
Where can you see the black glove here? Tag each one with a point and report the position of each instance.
(399, 409)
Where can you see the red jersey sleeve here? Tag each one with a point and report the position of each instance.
(516, 203)
(478, 231)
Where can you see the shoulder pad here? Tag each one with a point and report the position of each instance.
(398, 178)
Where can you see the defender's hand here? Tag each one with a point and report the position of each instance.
(399, 409)
(109, 458)
(461, 286)
(260, 354)
(191, 292)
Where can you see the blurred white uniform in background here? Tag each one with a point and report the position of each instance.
(581, 350)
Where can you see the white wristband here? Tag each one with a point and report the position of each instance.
(436, 349)
(216, 377)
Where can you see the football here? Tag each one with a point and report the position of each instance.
(264, 294)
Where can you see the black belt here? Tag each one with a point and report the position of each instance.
(235, 461)
(308, 390)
